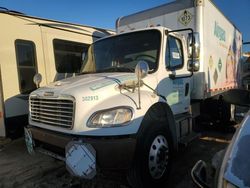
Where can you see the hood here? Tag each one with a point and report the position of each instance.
(92, 82)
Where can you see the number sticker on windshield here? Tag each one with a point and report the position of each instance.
(175, 55)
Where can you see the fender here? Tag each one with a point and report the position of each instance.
(162, 112)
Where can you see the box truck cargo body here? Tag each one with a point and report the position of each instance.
(220, 41)
(30, 45)
(138, 93)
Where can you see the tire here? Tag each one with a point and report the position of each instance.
(153, 157)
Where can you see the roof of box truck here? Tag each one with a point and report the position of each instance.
(161, 10)
(155, 11)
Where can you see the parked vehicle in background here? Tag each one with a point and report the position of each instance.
(138, 93)
(233, 171)
(244, 83)
(245, 72)
(30, 45)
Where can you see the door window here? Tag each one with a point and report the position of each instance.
(174, 54)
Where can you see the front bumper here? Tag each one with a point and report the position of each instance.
(111, 152)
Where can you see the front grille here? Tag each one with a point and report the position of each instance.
(56, 112)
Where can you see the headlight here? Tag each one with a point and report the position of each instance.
(114, 117)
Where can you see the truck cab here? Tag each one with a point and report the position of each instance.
(139, 84)
(138, 93)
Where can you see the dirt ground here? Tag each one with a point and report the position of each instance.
(19, 169)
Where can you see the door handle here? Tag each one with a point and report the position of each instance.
(186, 89)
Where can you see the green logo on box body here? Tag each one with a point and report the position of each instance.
(219, 32)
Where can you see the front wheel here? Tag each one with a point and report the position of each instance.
(158, 157)
(153, 158)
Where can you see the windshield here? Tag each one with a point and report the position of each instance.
(122, 53)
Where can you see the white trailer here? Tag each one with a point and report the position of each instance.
(138, 93)
(220, 41)
(29, 45)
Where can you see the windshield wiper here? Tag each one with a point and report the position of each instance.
(117, 69)
(81, 73)
(110, 69)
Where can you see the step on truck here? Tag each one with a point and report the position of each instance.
(138, 93)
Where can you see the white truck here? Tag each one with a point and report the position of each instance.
(138, 92)
(30, 45)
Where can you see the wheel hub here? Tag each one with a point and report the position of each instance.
(158, 157)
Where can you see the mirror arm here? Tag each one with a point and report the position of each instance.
(141, 71)
(163, 97)
(173, 77)
(139, 91)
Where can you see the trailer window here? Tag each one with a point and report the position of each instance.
(174, 54)
(26, 65)
(68, 57)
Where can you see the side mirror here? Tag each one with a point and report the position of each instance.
(37, 79)
(141, 69)
(193, 66)
(199, 174)
(193, 42)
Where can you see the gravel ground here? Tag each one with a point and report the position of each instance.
(19, 169)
